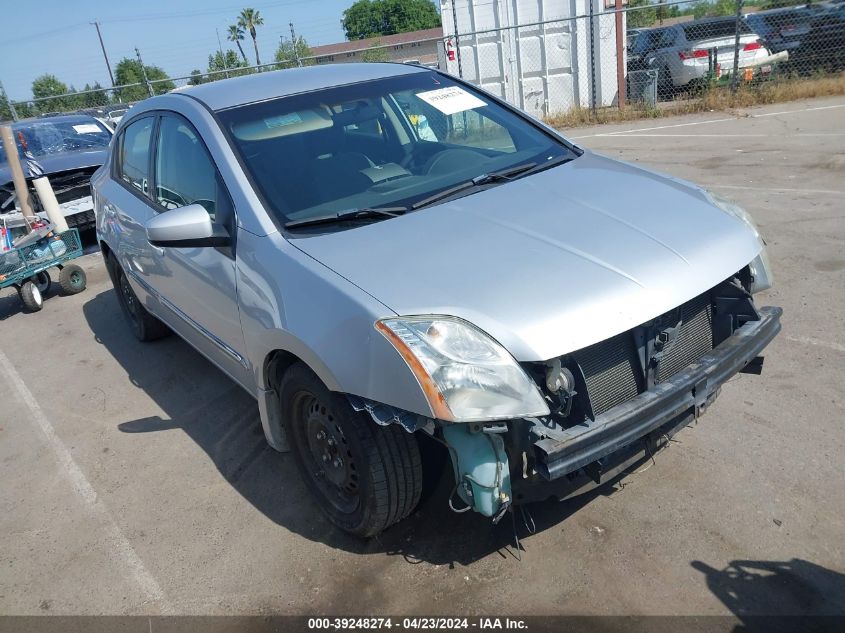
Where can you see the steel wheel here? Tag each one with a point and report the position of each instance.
(144, 325)
(331, 461)
(129, 301)
(363, 476)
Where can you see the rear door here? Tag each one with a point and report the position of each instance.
(125, 207)
(197, 285)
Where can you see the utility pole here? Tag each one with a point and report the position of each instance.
(735, 75)
(295, 47)
(144, 72)
(457, 42)
(222, 55)
(12, 110)
(103, 46)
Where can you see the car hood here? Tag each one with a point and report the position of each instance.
(65, 161)
(552, 262)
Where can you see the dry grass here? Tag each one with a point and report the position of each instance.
(716, 98)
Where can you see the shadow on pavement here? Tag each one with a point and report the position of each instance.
(794, 595)
(223, 420)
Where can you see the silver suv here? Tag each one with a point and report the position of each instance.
(385, 256)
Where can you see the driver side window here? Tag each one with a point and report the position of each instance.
(184, 171)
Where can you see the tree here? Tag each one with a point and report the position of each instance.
(5, 110)
(371, 18)
(93, 99)
(248, 20)
(49, 86)
(129, 71)
(661, 12)
(236, 35)
(376, 53)
(228, 64)
(640, 13)
(288, 51)
(196, 78)
(700, 9)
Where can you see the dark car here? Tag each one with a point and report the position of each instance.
(823, 47)
(783, 29)
(68, 149)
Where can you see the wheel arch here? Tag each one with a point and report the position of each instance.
(276, 362)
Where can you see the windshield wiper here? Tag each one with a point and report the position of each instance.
(478, 181)
(349, 214)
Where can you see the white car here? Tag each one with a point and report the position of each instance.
(684, 53)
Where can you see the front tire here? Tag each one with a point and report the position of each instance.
(31, 296)
(365, 477)
(144, 325)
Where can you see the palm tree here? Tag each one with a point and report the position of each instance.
(236, 34)
(248, 20)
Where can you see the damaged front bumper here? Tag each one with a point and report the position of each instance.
(564, 462)
(498, 464)
(688, 391)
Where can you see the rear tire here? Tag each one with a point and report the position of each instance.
(144, 325)
(72, 279)
(43, 282)
(364, 477)
(665, 85)
(31, 297)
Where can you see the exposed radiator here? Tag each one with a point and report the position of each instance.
(613, 373)
(695, 338)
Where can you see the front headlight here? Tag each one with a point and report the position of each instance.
(761, 271)
(465, 375)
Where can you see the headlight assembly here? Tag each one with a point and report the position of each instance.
(761, 271)
(465, 375)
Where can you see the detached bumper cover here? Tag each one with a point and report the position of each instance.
(686, 391)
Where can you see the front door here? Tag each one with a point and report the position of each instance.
(197, 285)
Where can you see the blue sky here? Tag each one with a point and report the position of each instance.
(54, 36)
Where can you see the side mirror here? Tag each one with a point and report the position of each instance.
(187, 227)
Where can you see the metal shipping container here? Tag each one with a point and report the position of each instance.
(533, 53)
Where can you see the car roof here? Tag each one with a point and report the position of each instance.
(54, 118)
(228, 93)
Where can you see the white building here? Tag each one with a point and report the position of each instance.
(534, 53)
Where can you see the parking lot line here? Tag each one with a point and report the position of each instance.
(831, 192)
(801, 134)
(115, 539)
(827, 107)
(633, 132)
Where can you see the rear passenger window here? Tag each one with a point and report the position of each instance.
(134, 161)
(185, 173)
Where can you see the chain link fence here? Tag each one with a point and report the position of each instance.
(550, 58)
(606, 55)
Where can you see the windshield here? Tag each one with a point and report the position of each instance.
(385, 143)
(45, 137)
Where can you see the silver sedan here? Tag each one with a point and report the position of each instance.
(393, 262)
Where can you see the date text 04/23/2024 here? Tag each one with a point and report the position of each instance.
(417, 623)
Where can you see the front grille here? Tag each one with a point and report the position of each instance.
(695, 338)
(71, 186)
(82, 220)
(613, 373)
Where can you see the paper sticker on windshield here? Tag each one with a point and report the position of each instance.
(283, 120)
(451, 100)
(87, 128)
